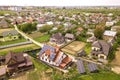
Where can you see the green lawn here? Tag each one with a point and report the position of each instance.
(72, 75)
(12, 42)
(43, 38)
(88, 48)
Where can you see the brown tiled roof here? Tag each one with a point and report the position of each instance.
(48, 52)
(28, 61)
(18, 57)
(67, 60)
(2, 71)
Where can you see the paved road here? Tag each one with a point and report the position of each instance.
(27, 37)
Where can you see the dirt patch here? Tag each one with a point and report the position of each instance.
(116, 69)
(116, 61)
(74, 47)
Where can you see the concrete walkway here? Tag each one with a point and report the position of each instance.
(27, 37)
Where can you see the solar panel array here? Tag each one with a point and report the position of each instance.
(52, 56)
(80, 67)
(92, 67)
(46, 47)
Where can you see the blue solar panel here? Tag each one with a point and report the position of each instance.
(46, 47)
(52, 56)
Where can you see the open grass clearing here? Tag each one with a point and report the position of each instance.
(36, 34)
(44, 38)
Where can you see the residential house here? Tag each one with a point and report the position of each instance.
(115, 28)
(17, 61)
(53, 56)
(108, 24)
(3, 72)
(10, 35)
(41, 20)
(91, 39)
(4, 24)
(69, 37)
(109, 35)
(57, 38)
(38, 26)
(49, 23)
(81, 53)
(79, 31)
(100, 49)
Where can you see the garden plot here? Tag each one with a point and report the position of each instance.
(74, 47)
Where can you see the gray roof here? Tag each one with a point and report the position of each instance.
(92, 67)
(81, 53)
(68, 35)
(3, 23)
(12, 32)
(80, 66)
(104, 46)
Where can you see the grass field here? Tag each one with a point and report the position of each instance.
(12, 42)
(43, 38)
(36, 34)
(88, 48)
(74, 47)
(18, 48)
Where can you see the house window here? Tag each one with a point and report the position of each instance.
(102, 57)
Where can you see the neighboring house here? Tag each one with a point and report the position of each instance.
(3, 72)
(49, 23)
(108, 24)
(109, 35)
(91, 39)
(4, 24)
(53, 56)
(57, 38)
(115, 28)
(79, 31)
(39, 26)
(10, 35)
(100, 49)
(69, 37)
(81, 53)
(17, 61)
(41, 20)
